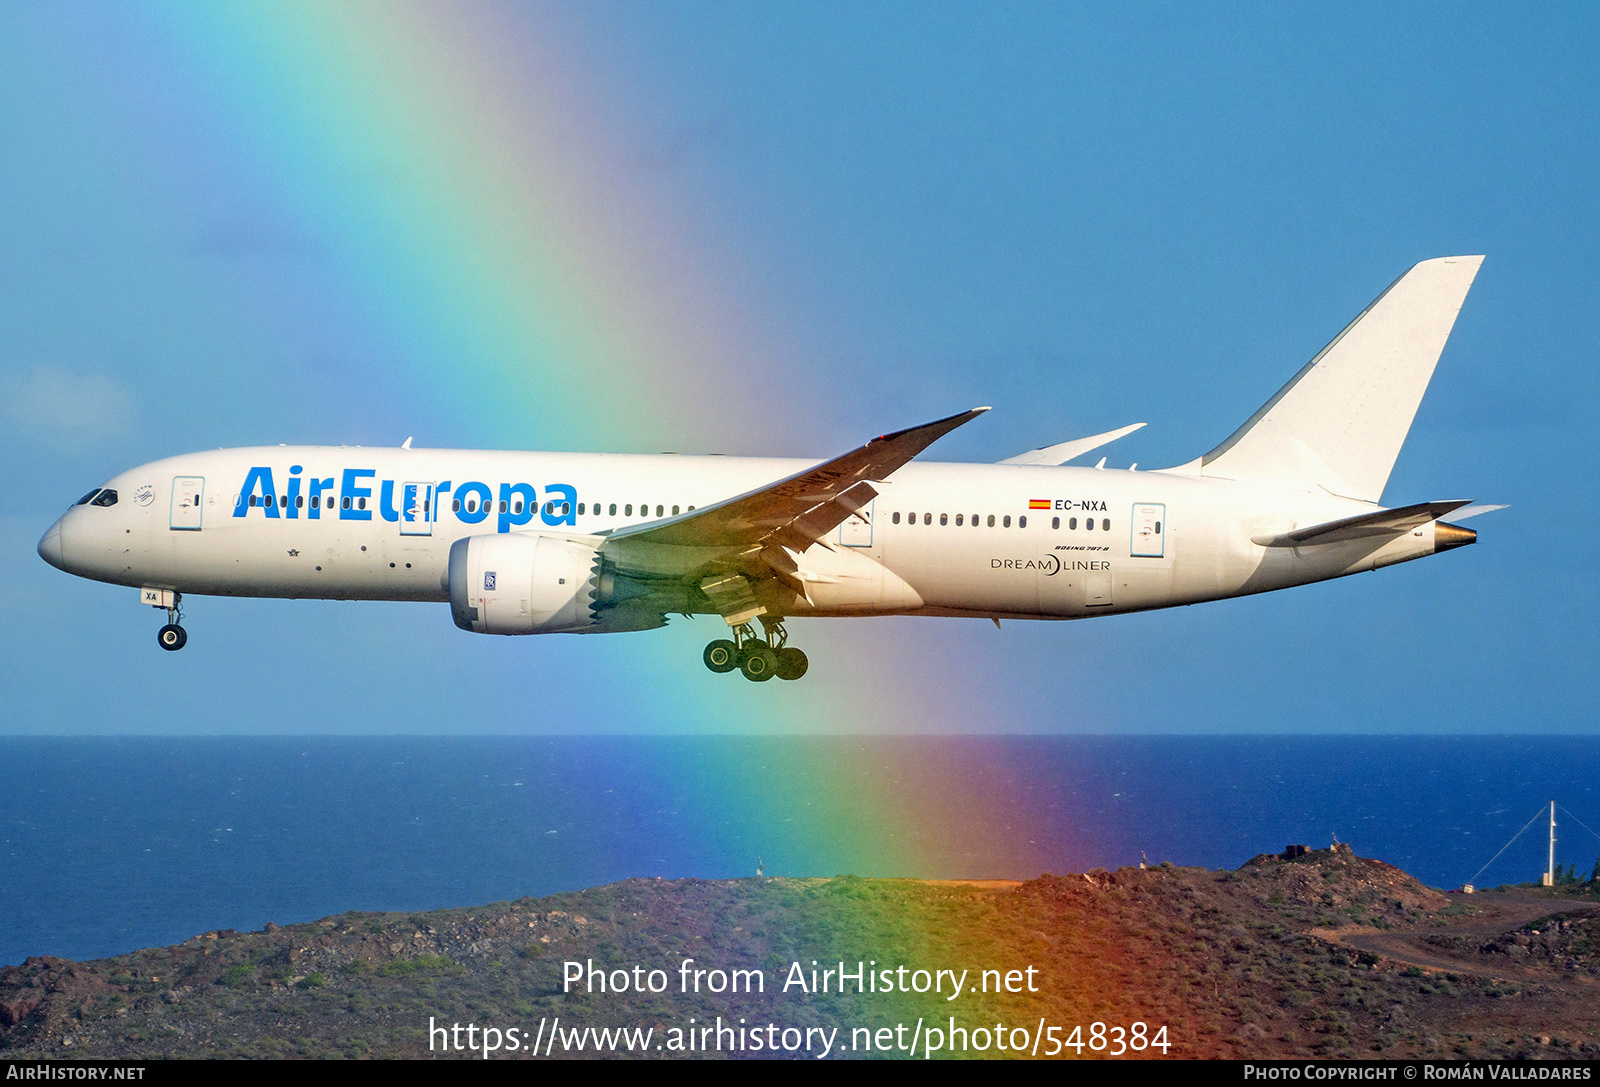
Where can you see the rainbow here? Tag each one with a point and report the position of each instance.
(476, 220)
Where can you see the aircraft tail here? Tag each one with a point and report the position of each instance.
(1339, 423)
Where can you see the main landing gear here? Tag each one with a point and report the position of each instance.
(173, 637)
(759, 658)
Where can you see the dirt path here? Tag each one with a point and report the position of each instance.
(1499, 912)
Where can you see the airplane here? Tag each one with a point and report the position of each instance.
(538, 543)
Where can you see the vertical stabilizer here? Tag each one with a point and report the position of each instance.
(1339, 423)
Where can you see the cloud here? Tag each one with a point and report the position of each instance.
(59, 408)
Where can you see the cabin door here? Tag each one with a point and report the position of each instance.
(1149, 533)
(187, 494)
(856, 531)
(416, 509)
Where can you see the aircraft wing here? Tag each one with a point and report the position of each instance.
(1381, 523)
(1060, 454)
(797, 511)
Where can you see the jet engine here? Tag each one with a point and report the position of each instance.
(522, 584)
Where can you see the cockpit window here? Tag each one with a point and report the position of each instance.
(107, 497)
(84, 501)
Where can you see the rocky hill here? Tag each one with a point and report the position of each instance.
(1284, 957)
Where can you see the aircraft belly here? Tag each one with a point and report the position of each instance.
(316, 562)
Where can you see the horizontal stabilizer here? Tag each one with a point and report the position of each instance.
(1473, 511)
(1060, 454)
(1382, 523)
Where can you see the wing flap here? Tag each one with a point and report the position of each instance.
(733, 598)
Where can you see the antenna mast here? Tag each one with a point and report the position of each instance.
(1550, 868)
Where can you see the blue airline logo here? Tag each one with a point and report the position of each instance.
(473, 502)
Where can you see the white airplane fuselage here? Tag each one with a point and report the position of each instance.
(1106, 540)
(535, 543)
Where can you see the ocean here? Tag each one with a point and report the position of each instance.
(112, 844)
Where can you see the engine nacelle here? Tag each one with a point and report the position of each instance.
(522, 584)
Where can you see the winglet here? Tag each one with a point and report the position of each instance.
(1065, 451)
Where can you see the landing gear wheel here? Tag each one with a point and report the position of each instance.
(172, 637)
(721, 656)
(792, 663)
(759, 662)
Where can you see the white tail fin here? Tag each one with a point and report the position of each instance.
(1339, 423)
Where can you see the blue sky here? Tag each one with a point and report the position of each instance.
(1084, 216)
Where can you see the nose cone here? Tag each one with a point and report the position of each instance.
(50, 547)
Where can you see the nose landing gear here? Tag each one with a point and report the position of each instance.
(172, 637)
(759, 658)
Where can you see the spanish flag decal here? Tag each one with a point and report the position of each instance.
(1038, 503)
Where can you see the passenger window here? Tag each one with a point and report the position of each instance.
(627, 511)
(974, 520)
(516, 507)
(944, 519)
(613, 509)
(1055, 522)
(1158, 528)
(252, 500)
(674, 511)
(927, 518)
(896, 518)
(284, 501)
(362, 503)
(991, 520)
(300, 503)
(1105, 525)
(1088, 524)
(1006, 523)
(1073, 523)
(660, 511)
(958, 520)
(84, 501)
(1022, 522)
(455, 506)
(580, 509)
(344, 503)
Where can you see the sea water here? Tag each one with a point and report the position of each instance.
(111, 844)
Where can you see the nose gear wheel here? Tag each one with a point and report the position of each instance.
(173, 637)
